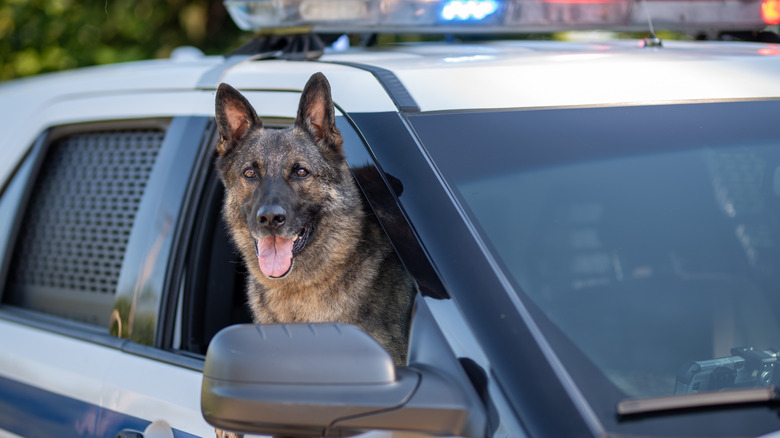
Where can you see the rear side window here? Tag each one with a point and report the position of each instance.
(81, 207)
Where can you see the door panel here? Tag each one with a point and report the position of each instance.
(49, 383)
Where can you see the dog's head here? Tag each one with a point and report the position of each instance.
(280, 183)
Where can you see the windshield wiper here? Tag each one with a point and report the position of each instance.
(638, 406)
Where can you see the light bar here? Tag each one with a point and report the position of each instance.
(505, 16)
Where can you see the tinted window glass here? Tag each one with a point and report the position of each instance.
(75, 231)
(647, 235)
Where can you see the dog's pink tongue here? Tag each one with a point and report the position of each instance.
(274, 254)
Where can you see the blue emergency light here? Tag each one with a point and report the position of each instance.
(504, 16)
(464, 10)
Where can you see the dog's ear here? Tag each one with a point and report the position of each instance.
(317, 116)
(235, 117)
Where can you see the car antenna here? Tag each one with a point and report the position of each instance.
(652, 40)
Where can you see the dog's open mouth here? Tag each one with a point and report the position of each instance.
(275, 253)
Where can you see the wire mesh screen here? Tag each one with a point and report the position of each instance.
(69, 254)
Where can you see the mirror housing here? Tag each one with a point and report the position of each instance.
(327, 379)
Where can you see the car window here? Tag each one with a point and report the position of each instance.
(214, 277)
(647, 238)
(214, 294)
(74, 232)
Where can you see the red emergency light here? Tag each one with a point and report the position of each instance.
(770, 11)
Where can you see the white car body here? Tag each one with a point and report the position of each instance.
(443, 77)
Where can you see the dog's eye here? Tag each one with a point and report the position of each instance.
(249, 173)
(301, 172)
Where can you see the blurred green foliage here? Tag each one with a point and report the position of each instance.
(38, 36)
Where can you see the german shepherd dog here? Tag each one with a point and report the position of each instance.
(313, 250)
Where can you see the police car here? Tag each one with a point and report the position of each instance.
(591, 227)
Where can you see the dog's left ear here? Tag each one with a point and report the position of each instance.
(317, 116)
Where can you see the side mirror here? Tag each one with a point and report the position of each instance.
(326, 379)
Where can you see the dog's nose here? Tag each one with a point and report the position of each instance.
(271, 216)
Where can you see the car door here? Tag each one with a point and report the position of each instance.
(88, 222)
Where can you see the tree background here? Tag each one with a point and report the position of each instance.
(39, 36)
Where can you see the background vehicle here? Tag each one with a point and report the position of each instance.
(584, 222)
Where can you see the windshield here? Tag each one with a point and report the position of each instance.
(648, 236)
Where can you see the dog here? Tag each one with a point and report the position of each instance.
(313, 250)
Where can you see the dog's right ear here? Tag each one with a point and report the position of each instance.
(235, 117)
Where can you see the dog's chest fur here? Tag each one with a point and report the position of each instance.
(363, 285)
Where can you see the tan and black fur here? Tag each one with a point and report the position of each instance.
(290, 199)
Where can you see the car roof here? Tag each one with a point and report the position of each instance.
(533, 74)
(527, 74)
(435, 76)
(440, 76)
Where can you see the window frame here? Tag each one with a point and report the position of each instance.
(180, 134)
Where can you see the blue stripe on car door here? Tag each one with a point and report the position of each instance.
(33, 412)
